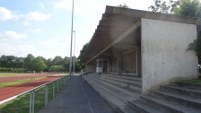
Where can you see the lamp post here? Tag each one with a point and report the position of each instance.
(74, 53)
(70, 64)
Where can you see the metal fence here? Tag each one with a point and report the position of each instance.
(56, 85)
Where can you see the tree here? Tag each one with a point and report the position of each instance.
(123, 5)
(45, 61)
(190, 8)
(11, 61)
(19, 62)
(78, 65)
(196, 46)
(82, 52)
(65, 63)
(49, 63)
(38, 64)
(4, 61)
(28, 61)
(161, 6)
(56, 68)
(58, 60)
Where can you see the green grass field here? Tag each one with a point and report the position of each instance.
(190, 81)
(13, 74)
(21, 74)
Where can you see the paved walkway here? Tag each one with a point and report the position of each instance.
(78, 97)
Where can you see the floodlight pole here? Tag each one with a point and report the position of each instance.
(74, 53)
(70, 64)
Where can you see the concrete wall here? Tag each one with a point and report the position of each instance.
(109, 66)
(164, 55)
(89, 68)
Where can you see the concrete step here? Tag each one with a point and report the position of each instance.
(125, 97)
(175, 98)
(133, 78)
(142, 107)
(118, 87)
(166, 105)
(188, 86)
(182, 91)
(126, 81)
(180, 99)
(135, 85)
(111, 95)
(129, 87)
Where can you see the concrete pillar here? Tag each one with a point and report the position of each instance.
(109, 66)
(120, 64)
(139, 61)
(94, 66)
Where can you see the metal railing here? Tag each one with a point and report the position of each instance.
(56, 84)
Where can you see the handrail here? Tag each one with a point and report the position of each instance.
(31, 91)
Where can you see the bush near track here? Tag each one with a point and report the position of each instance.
(13, 70)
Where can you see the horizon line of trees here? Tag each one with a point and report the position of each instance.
(10, 63)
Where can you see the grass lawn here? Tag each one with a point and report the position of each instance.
(191, 81)
(21, 104)
(19, 81)
(14, 74)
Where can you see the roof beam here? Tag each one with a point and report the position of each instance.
(118, 39)
(151, 15)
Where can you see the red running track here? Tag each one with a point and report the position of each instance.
(8, 92)
(15, 78)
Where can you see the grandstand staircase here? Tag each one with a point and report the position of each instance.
(124, 94)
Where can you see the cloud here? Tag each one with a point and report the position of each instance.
(37, 30)
(12, 35)
(17, 50)
(25, 48)
(63, 4)
(37, 16)
(6, 14)
(91, 7)
(26, 23)
(41, 5)
(94, 7)
(84, 7)
(54, 42)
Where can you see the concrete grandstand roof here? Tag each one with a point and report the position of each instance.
(117, 21)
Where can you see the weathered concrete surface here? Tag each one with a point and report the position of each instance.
(164, 52)
(78, 97)
(89, 68)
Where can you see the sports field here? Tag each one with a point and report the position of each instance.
(13, 85)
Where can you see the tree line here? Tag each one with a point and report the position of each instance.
(30, 63)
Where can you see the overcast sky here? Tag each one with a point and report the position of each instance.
(43, 27)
